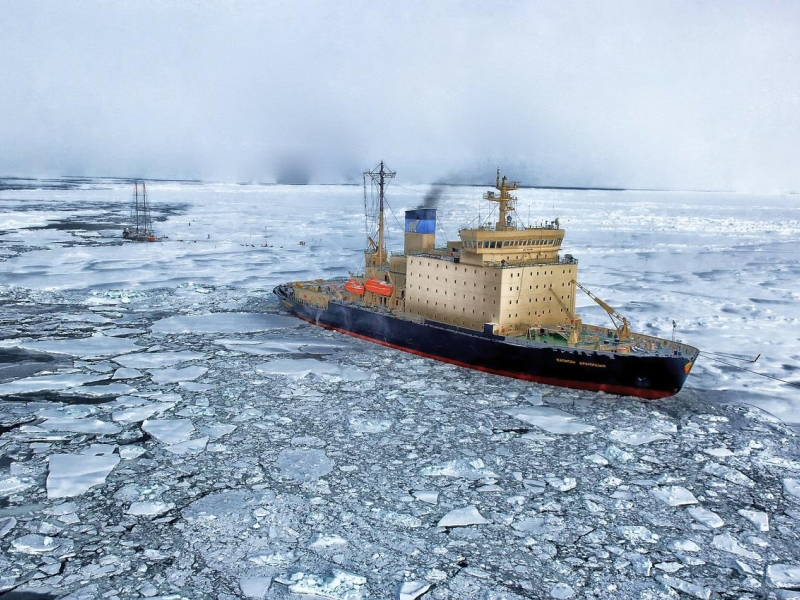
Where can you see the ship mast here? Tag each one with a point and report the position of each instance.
(380, 176)
(505, 201)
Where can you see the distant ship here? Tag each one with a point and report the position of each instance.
(141, 227)
(500, 299)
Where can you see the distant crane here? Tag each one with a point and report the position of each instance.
(620, 322)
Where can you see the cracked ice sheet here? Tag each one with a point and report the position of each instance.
(550, 419)
(674, 495)
(309, 345)
(223, 323)
(302, 367)
(96, 346)
(169, 431)
(176, 375)
(78, 425)
(636, 438)
(49, 382)
(144, 360)
(73, 474)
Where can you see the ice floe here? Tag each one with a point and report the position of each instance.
(71, 475)
(462, 517)
(550, 419)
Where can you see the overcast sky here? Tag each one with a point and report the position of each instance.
(669, 94)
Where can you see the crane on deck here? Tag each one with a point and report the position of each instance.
(620, 322)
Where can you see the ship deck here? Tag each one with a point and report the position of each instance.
(590, 338)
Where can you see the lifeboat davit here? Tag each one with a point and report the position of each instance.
(354, 287)
(379, 287)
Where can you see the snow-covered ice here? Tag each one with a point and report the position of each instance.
(167, 432)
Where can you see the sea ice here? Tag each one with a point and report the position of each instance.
(705, 516)
(468, 469)
(96, 346)
(674, 495)
(42, 383)
(730, 544)
(784, 576)
(189, 446)
(550, 419)
(169, 431)
(304, 464)
(339, 585)
(255, 587)
(149, 508)
(757, 518)
(462, 517)
(410, 590)
(728, 474)
(636, 438)
(428, 496)
(78, 425)
(792, 486)
(362, 424)
(176, 375)
(34, 544)
(73, 474)
(147, 360)
(223, 322)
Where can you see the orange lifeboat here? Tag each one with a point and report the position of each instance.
(354, 287)
(379, 287)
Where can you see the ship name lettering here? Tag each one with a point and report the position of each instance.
(565, 360)
(588, 364)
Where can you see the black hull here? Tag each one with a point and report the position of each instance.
(615, 373)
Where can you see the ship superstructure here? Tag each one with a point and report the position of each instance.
(501, 299)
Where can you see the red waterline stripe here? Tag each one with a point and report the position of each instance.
(619, 390)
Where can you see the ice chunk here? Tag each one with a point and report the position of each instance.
(169, 431)
(6, 525)
(321, 541)
(176, 375)
(48, 382)
(474, 469)
(730, 544)
(462, 517)
(149, 508)
(34, 544)
(12, 484)
(638, 533)
(705, 516)
(137, 414)
(78, 425)
(562, 591)
(362, 424)
(757, 518)
(255, 587)
(145, 360)
(792, 486)
(636, 438)
(784, 576)
(189, 446)
(674, 495)
(73, 474)
(300, 368)
(339, 585)
(96, 346)
(304, 464)
(562, 484)
(410, 590)
(728, 474)
(550, 419)
(429, 496)
(223, 323)
(686, 587)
